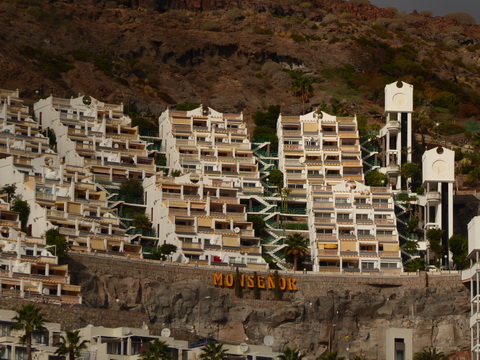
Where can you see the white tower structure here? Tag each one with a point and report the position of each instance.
(438, 167)
(396, 135)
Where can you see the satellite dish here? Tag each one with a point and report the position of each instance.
(301, 160)
(243, 347)
(268, 340)
(236, 230)
(126, 331)
(165, 332)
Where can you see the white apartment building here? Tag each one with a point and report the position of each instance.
(205, 142)
(96, 136)
(28, 268)
(12, 348)
(318, 148)
(353, 228)
(204, 219)
(471, 278)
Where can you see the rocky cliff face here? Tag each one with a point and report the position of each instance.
(316, 317)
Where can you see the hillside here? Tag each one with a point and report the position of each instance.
(247, 55)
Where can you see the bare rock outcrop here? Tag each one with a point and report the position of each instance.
(315, 319)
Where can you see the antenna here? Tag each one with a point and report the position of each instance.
(268, 340)
(165, 332)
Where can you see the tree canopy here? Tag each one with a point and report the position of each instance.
(434, 237)
(213, 351)
(131, 188)
(54, 238)
(297, 246)
(24, 209)
(429, 354)
(156, 350)
(290, 354)
(458, 245)
(161, 252)
(275, 177)
(71, 344)
(375, 178)
(29, 318)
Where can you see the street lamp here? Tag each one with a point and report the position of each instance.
(198, 311)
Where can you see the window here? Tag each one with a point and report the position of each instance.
(361, 216)
(368, 265)
(295, 186)
(322, 199)
(385, 232)
(323, 215)
(291, 171)
(5, 329)
(324, 231)
(360, 201)
(208, 168)
(187, 166)
(388, 265)
(343, 216)
(341, 200)
(363, 232)
(291, 142)
(247, 184)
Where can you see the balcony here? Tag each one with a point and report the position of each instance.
(184, 228)
(325, 253)
(434, 196)
(393, 169)
(389, 254)
(393, 126)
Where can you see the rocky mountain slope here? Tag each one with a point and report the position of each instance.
(236, 55)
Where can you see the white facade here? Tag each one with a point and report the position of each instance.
(438, 169)
(472, 277)
(396, 134)
(399, 344)
(204, 219)
(209, 143)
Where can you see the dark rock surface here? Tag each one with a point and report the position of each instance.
(322, 312)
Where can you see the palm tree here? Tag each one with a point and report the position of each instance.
(284, 193)
(290, 354)
(429, 354)
(28, 319)
(297, 246)
(71, 344)
(213, 351)
(156, 350)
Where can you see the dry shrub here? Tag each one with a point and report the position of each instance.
(234, 14)
(414, 20)
(270, 68)
(330, 19)
(384, 22)
(462, 18)
(397, 24)
(468, 110)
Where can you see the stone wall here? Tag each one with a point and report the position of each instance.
(315, 318)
